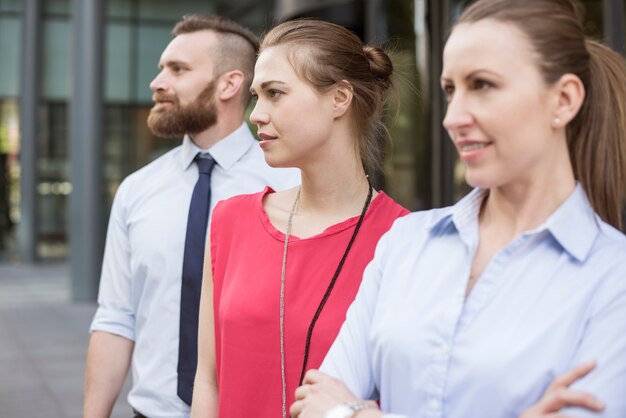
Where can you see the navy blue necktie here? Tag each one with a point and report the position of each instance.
(192, 278)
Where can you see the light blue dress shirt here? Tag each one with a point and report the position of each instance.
(553, 298)
(139, 295)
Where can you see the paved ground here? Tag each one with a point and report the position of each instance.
(43, 341)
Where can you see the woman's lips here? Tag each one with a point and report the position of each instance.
(266, 137)
(471, 150)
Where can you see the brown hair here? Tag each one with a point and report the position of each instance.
(325, 54)
(597, 136)
(236, 49)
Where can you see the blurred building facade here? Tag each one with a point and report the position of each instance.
(74, 99)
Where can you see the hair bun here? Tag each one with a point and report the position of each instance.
(380, 65)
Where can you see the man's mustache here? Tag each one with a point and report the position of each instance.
(163, 97)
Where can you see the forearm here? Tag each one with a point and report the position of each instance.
(205, 399)
(369, 413)
(108, 360)
(205, 389)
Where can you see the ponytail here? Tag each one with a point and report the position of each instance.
(597, 136)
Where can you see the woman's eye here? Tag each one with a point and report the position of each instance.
(448, 90)
(482, 85)
(274, 93)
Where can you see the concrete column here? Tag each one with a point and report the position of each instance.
(86, 148)
(29, 123)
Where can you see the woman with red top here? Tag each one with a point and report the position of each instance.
(285, 266)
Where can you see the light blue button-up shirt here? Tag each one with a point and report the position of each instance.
(553, 298)
(139, 295)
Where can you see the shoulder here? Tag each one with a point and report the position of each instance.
(130, 190)
(389, 206)
(611, 235)
(413, 230)
(382, 213)
(424, 220)
(605, 268)
(235, 216)
(240, 204)
(153, 169)
(610, 247)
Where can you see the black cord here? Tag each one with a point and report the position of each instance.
(332, 284)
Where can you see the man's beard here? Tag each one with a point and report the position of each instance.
(176, 120)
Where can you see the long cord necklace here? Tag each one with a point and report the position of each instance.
(324, 298)
(282, 304)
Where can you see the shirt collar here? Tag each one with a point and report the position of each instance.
(464, 212)
(574, 224)
(226, 152)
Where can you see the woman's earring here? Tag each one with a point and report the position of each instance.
(556, 122)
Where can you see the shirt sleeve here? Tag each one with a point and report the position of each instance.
(604, 341)
(349, 358)
(116, 308)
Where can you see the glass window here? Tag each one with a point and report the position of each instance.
(119, 62)
(10, 55)
(119, 148)
(256, 16)
(56, 59)
(56, 7)
(152, 42)
(592, 17)
(407, 171)
(9, 177)
(128, 144)
(120, 8)
(53, 187)
(10, 5)
(172, 10)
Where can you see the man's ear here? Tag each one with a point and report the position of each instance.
(229, 85)
(342, 98)
(569, 95)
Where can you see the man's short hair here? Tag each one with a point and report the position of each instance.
(236, 49)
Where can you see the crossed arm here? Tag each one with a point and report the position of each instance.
(320, 392)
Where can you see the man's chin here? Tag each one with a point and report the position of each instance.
(160, 128)
(163, 133)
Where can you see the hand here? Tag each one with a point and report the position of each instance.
(318, 393)
(559, 395)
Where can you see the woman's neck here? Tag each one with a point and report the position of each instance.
(338, 190)
(524, 206)
(526, 202)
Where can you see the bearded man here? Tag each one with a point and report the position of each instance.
(151, 273)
